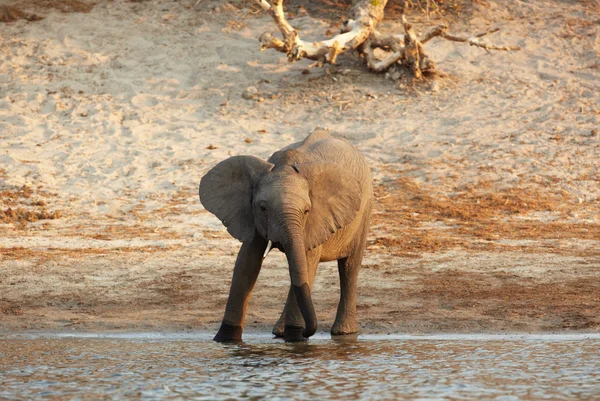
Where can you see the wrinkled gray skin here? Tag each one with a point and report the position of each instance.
(313, 200)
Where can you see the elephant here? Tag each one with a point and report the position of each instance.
(311, 200)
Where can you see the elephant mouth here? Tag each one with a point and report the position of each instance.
(270, 246)
(279, 246)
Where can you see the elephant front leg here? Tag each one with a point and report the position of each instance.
(280, 325)
(245, 273)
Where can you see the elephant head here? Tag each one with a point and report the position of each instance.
(298, 207)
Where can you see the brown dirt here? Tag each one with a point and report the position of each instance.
(23, 9)
(415, 231)
(478, 301)
(443, 256)
(479, 218)
(414, 297)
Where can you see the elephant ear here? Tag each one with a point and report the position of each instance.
(335, 194)
(226, 191)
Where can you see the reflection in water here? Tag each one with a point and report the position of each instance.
(399, 369)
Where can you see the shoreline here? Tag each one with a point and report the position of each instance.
(487, 188)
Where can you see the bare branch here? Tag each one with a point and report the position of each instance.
(392, 43)
(440, 30)
(377, 65)
(387, 42)
(365, 16)
(474, 41)
(414, 55)
(359, 33)
(409, 52)
(479, 35)
(267, 41)
(432, 33)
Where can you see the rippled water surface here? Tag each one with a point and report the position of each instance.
(155, 366)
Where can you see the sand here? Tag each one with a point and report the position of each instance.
(487, 179)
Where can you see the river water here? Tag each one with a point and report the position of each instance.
(191, 366)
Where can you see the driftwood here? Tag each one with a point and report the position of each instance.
(359, 33)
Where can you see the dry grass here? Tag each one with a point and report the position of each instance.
(122, 231)
(11, 14)
(338, 9)
(410, 219)
(24, 9)
(14, 194)
(63, 6)
(22, 216)
(579, 28)
(48, 254)
(24, 207)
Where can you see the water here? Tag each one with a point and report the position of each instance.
(191, 366)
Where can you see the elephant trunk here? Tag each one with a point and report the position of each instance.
(296, 256)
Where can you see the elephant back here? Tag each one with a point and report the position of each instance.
(321, 147)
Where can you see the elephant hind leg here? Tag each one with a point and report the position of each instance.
(312, 259)
(345, 320)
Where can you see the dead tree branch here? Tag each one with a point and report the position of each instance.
(474, 40)
(359, 33)
(364, 18)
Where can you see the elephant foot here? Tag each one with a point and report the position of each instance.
(278, 330)
(228, 333)
(293, 334)
(342, 329)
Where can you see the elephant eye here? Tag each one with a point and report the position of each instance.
(306, 211)
(263, 208)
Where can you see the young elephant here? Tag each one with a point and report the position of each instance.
(312, 200)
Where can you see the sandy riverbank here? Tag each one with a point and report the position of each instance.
(487, 183)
